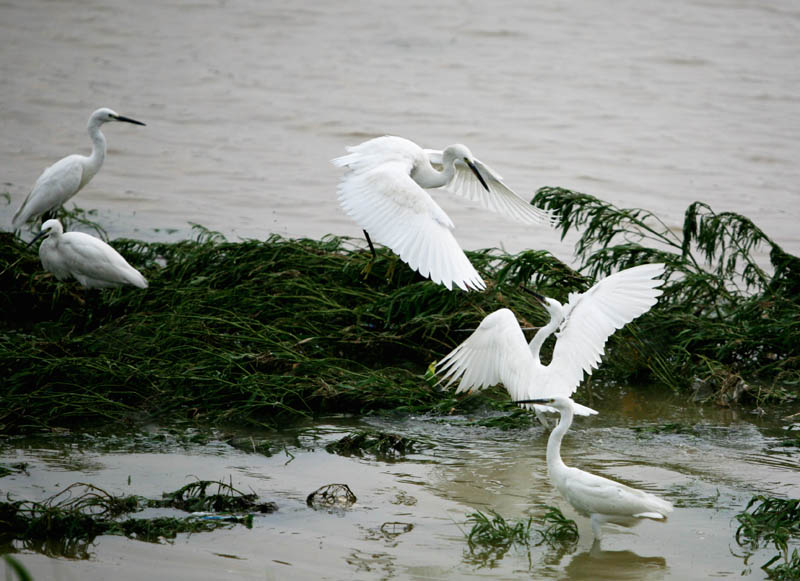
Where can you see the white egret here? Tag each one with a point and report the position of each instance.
(497, 352)
(91, 261)
(383, 191)
(65, 178)
(603, 500)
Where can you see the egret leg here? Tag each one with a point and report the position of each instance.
(368, 268)
(597, 526)
(371, 247)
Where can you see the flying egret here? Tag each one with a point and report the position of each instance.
(603, 500)
(383, 190)
(91, 261)
(65, 178)
(497, 352)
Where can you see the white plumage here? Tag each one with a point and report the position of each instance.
(91, 261)
(602, 499)
(65, 178)
(383, 190)
(497, 352)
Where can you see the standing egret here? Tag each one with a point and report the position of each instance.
(383, 190)
(603, 500)
(90, 260)
(496, 352)
(65, 178)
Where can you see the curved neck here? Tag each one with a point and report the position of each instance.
(554, 460)
(541, 336)
(428, 177)
(98, 154)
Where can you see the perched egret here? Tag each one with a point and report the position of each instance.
(497, 352)
(383, 190)
(603, 500)
(90, 260)
(65, 178)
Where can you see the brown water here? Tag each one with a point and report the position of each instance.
(641, 102)
(709, 470)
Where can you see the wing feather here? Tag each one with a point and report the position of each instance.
(95, 263)
(397, 213)
(57, 184)
(590, 494)
(496, 352)
(499, 199)
(592, 317)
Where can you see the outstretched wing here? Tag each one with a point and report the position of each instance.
(496, 352)
(57, 184)
(500, 198)
(397, 213)
(592, 317)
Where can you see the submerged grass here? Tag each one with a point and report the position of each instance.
(66, 523)
(267, 332)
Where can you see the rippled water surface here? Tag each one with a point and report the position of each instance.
(643, 103)
(708, 462)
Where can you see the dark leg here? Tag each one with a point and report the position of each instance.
(371, 247)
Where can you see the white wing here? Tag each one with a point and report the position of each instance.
(57, 184)
(496, 352)
(500, 198)
(96, 264)
(592, 317)
(590, 493)
(397, 213)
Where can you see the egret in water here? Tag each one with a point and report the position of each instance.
(497, 352)
(91, 261)
(383, 190)
(603, 500)
(65, 178)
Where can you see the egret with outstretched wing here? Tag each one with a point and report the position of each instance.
(383, 190)
(497, 352)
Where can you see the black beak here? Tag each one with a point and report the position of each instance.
(535, 295)
(128, 120)
(538, 401)
(477, 174)
(41, 234)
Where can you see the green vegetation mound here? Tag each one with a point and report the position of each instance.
(270, 331)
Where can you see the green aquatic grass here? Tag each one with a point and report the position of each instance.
(776, 521)
(274, 331)
(491, 535)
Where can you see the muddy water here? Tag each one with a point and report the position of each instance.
(709, 467)
(640, 102)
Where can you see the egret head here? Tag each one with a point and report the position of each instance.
(552, 306)
(104, 115)
(52, 226)
(459, 152)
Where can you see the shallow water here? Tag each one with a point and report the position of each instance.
(640, 102)
(709, 469)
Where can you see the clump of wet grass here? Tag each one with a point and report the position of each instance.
(768, 520)
(491, 535)
(273, 331)
(194, 497)
(380, 444)
(66, 523)
(6, 469)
